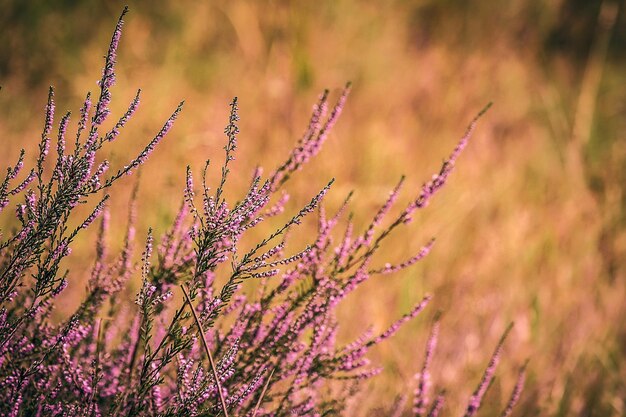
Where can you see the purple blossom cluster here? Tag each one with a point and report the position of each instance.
(213, 349)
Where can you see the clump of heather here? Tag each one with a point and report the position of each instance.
(191, 342)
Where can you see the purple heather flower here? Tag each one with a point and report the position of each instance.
(516, 394)
(393, 197)
(479, 393)
(115, 131)
(396, 326)
(398, 406)
(61, 137)
(143, 155)
(84, 115)
(12, 172)
(420, 401)
(108, 73)
(389, 268)
(31, 176)
(47, 129)
(94, 214)
(437, 406)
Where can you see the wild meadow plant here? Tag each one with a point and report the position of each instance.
(211, 350)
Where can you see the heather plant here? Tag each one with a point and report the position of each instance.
(193, 343)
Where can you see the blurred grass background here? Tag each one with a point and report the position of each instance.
(531, 227)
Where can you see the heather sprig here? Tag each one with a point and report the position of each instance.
(423, 389)
(517, 391)
(423, 378)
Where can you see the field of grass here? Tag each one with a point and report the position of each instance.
(531, 227)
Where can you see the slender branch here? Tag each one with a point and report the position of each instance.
(267, 384)
(207, 350)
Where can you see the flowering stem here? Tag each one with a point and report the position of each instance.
(207, 350)
(267, 383)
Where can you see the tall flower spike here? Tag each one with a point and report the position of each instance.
(393, 196)
(143, 155)
(231, 131)
(95, 213)
(44, 145)
(145, 261)
(132, 108)
(12, 172)
(517, 392)
(437, 405)
(398, 406)
(332, 118)
(108, 74)
(159, 136)
(47, 129)
(10, 175)
(420, 401)
(101, 250)
(479, 393)
(127, 251)
(61, 136)
(21, 186)
(291, 164)
(394, 327)
(389, 268)
(312, 141)
(438, 180)
(82, 123)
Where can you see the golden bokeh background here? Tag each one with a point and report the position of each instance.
(530, 228)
